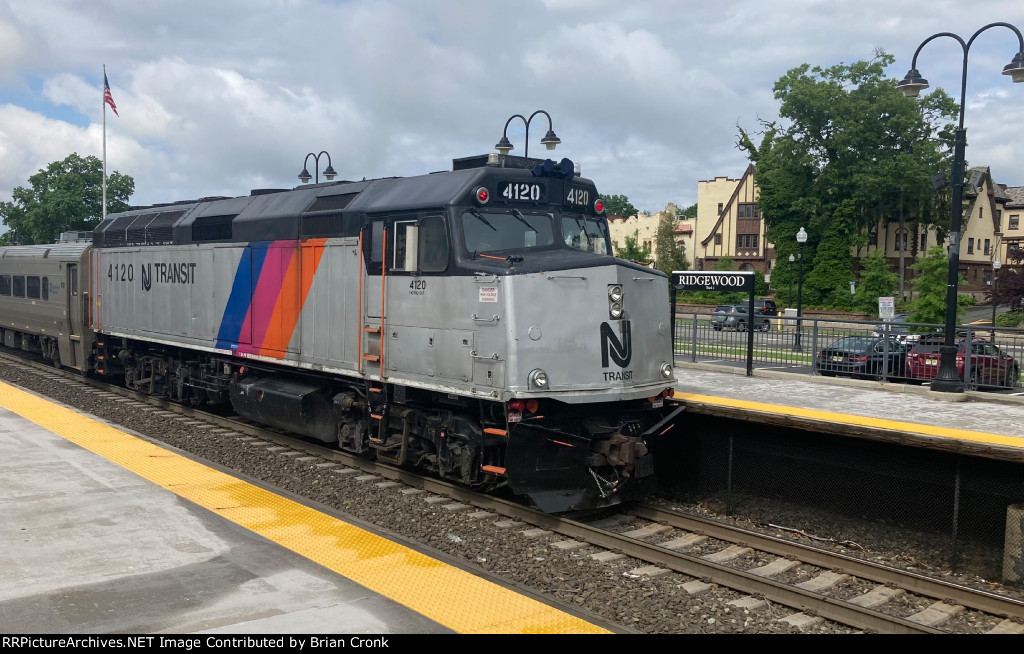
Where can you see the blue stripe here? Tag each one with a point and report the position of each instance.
(249, 268)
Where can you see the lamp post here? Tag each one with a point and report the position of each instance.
(789, 298)
(947, 380)
(801, 238)
(996, 265)
(329, 173)
(504, 146)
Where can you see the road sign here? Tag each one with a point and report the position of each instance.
(886, 308)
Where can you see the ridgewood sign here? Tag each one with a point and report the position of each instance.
(705, 280)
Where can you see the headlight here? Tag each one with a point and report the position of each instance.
(615, 293)
(615, 310)
(666, 370)
(538, 379)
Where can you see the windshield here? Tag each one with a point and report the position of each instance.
(488, 230)
(585, 233)
(494, 229)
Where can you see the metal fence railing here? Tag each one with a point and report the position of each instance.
(800, 344)
(957, 507)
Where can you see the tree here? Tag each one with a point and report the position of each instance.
(852, 151)
(876, 280)
(65, 196)
(689, 212)
(671, 254)
(632, 251)
(618, 205)
(930, 286)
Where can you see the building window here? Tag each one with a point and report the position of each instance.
(746, 242)
(970, 246)
(718, 239)
(748, 210)
(924, 241)
(1015, 221)
(873, 238)
(988, 246)
(720, 208)
(986, 276)
(901, 242)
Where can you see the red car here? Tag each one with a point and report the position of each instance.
(987, 364)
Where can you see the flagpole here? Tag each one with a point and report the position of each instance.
(104, 142)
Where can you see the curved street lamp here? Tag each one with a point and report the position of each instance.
(947, 379)
(329, 173)
(801, 238)
(504, 146)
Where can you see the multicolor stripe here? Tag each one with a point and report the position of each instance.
(269, 290)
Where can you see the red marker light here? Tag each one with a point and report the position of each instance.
(482, 195)
(598, 206)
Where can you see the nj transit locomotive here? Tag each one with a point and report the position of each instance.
(473, 322)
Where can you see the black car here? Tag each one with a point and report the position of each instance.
(766, 306)
(863, 356)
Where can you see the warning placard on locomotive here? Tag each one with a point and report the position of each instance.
(488, 293)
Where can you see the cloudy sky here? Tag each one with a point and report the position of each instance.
(217, 97)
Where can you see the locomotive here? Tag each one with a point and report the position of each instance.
(473, 323)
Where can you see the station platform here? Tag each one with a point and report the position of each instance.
(978, 423)
(105, 532)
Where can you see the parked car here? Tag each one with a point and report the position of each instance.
(735, 316)
(863, 356)
(897, 327)
(988, 365)
(766, 306)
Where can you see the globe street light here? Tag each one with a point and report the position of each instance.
(329, 173)
(996, 265)
(504, 146)
(947, 379)
(801, 238)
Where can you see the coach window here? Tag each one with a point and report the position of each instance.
(19, 286)
(33, 287)
(46, 288)
(5, 284)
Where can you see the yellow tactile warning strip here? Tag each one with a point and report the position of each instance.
(452, 597)
(861, 421)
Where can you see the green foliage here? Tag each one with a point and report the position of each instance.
(850, 150)
(876, 280)
(670, 252)
(66, 196)
(689, 212)
(618, 205)
(632, 251)
(1010, 319)
(929, 305)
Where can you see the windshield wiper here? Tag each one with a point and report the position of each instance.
(583, 229)
(521, 218)
(479, 216)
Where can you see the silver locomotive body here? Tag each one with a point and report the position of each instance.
(473, 323)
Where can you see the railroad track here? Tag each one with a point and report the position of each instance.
(649, 541)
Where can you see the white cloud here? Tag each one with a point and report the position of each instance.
(217, 98)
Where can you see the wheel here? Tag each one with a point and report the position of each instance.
(741, 326)
(971, 383)
(1012, 377)
(56, 361)
(765, 326)
(718, 328)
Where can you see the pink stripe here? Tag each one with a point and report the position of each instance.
(267, 290)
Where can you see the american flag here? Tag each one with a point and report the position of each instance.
(107, 98)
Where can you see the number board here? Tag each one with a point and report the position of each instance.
(522, 191)
(579, 197)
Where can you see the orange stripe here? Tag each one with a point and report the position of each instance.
(497, 432)
(495, 469)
